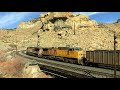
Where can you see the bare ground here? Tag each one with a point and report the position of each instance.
(13, 66)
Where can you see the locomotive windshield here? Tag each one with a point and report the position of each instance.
(77, 49)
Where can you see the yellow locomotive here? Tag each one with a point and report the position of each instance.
(32, 51)
(66, 54)
(77, 55)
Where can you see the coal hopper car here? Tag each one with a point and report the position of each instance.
(103, 57)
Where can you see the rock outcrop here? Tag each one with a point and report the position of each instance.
(81, 22)
(59, 21)
(30, 24)
(58, 30)
(34, 72)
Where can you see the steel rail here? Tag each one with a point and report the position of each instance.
(74, 69)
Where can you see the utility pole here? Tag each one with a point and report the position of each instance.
(115, 37)
(38, 36)
(38, 40)
(74, 27)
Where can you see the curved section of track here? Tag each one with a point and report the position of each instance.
(72, 69)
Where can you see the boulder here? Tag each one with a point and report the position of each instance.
(34, 71)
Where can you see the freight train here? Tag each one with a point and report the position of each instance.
(77, 55)
(66, 54)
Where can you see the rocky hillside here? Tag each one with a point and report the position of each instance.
(59, 20)
(55, 29)
(13, 66)
(58, 28)
(30, 24)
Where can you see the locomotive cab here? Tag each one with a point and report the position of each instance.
(78, 54)
(81, 56)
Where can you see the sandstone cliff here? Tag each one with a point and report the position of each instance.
(57, 29)
(59, 20)
(30, 24)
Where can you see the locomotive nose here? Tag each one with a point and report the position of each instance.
(82, 55)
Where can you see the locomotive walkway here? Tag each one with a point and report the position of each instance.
(72, 70)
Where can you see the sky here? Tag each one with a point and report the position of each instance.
(10, 20)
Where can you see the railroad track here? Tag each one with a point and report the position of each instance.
(33, 62)
(72, 69)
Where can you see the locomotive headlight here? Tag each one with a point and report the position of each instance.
(82, 55)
